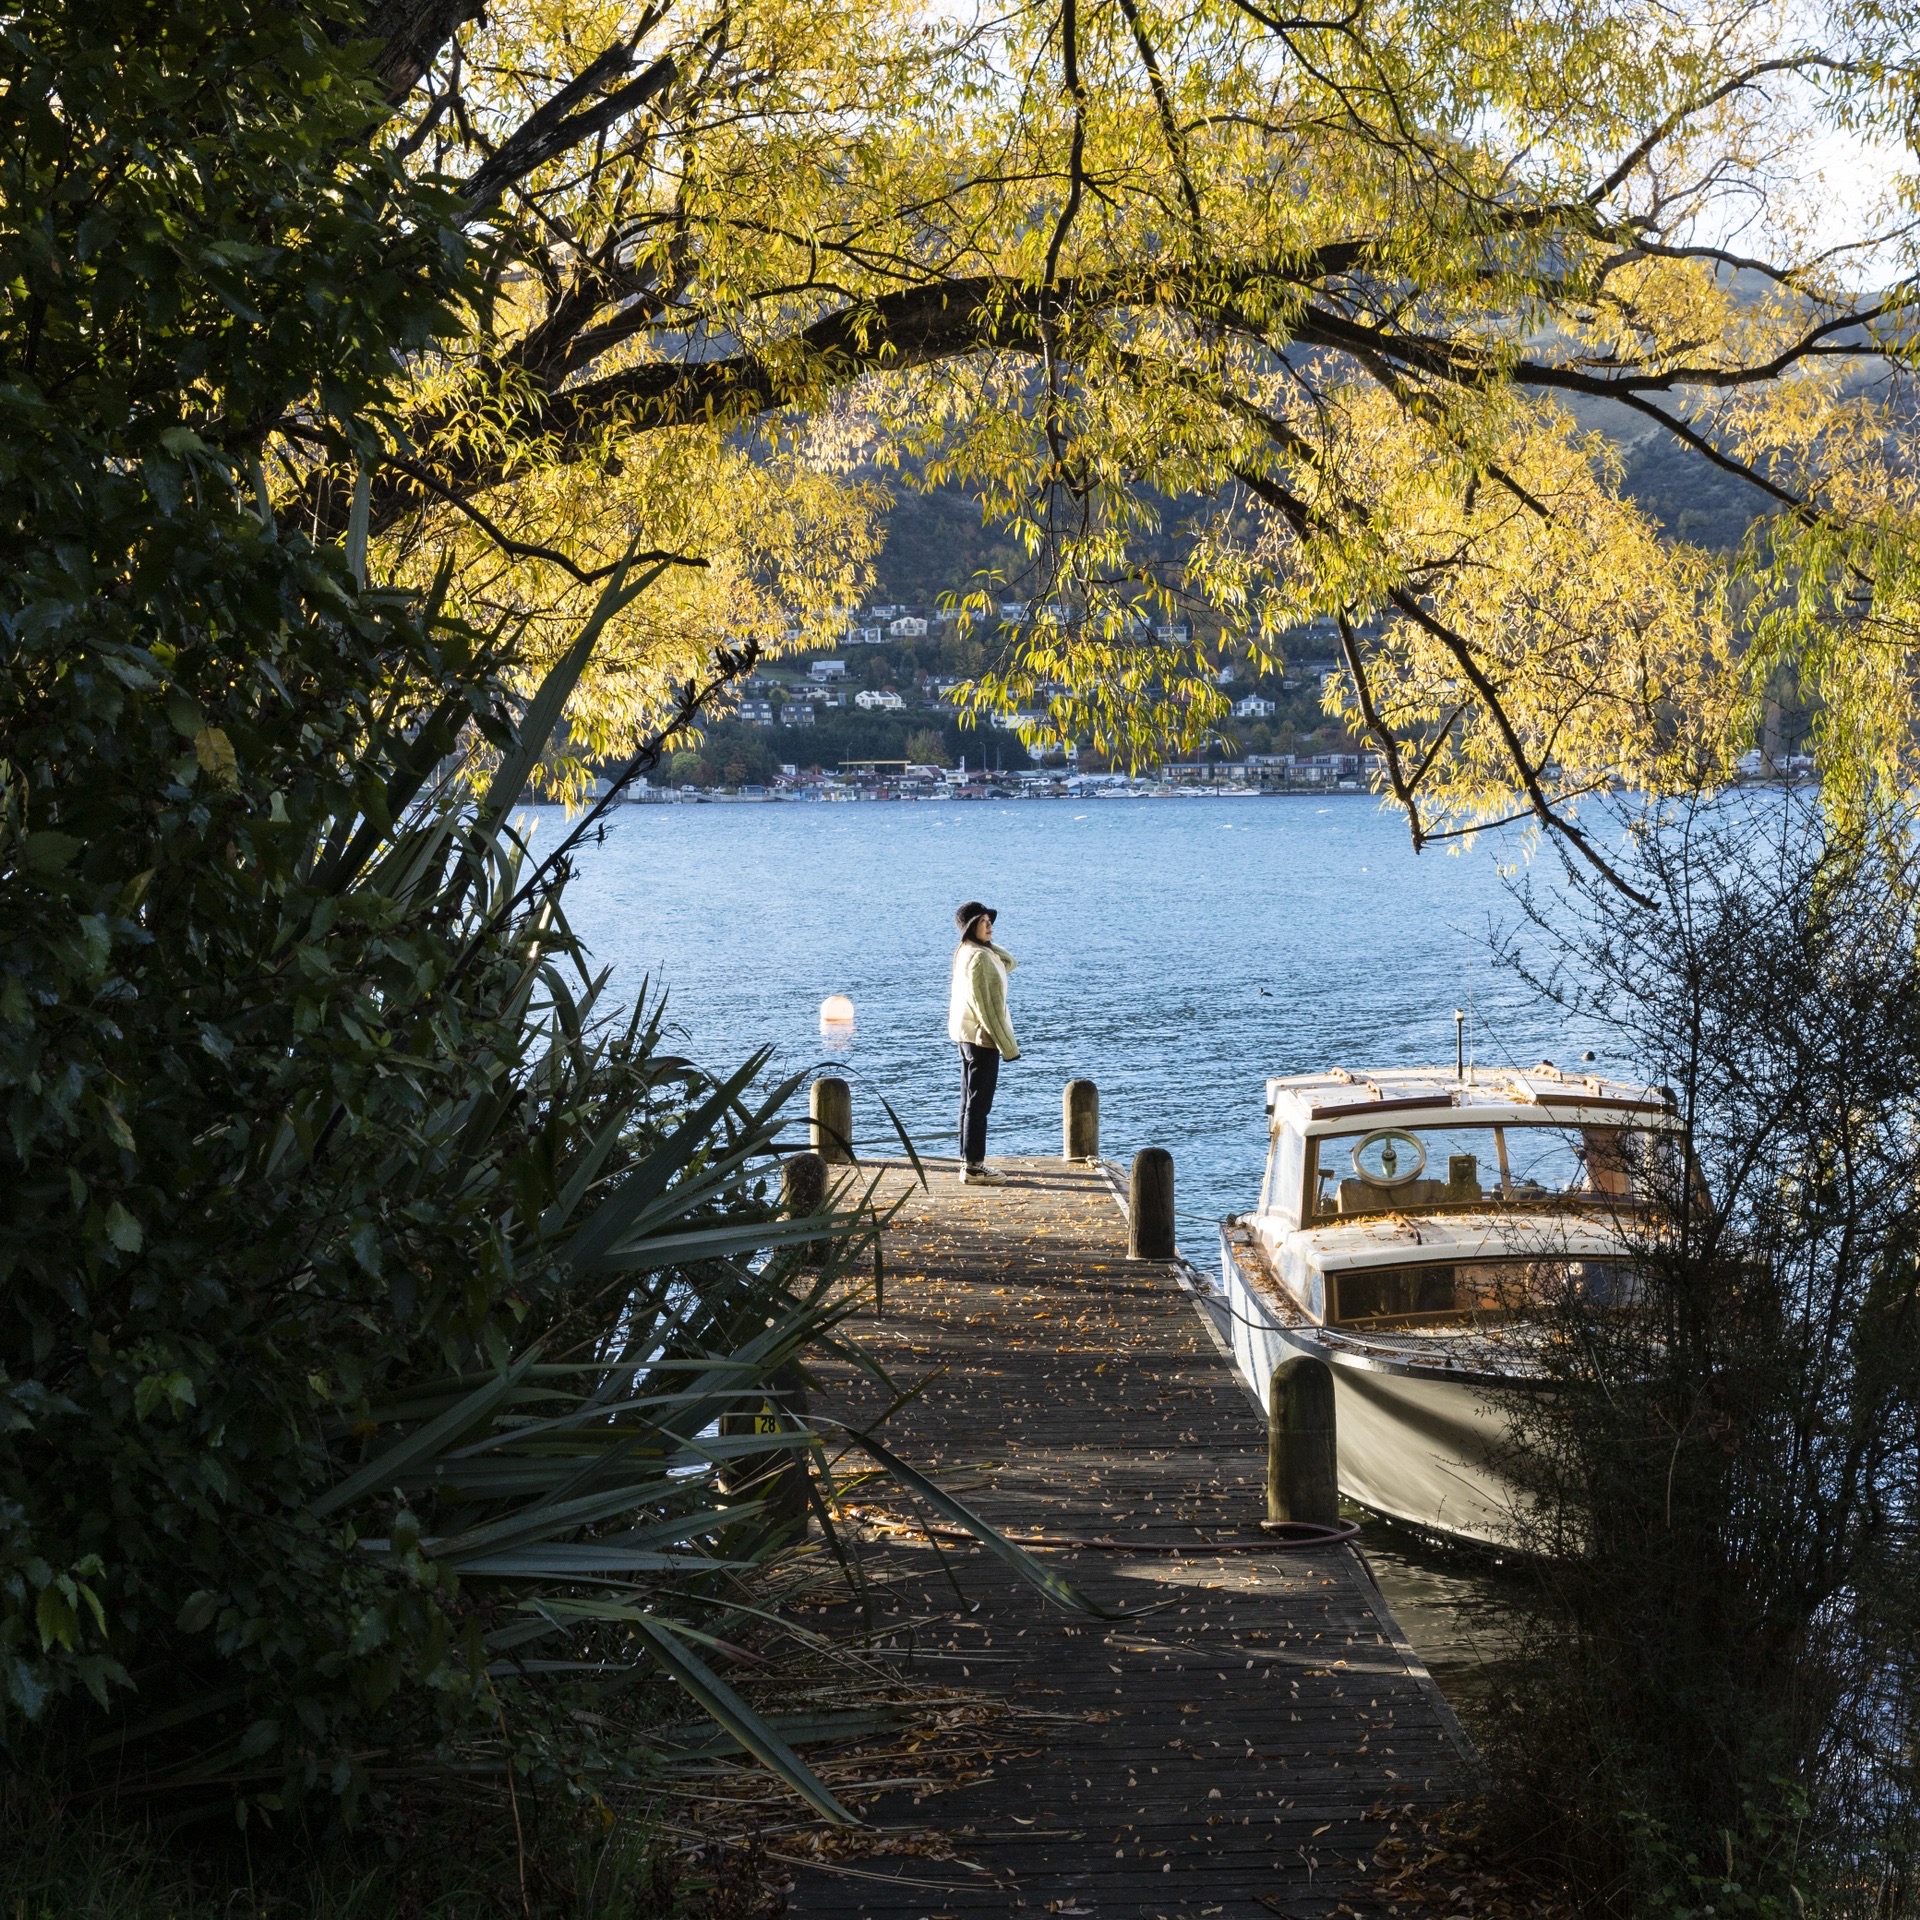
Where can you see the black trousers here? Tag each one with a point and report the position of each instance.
(979, 1075)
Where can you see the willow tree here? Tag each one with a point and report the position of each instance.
(1350, 279)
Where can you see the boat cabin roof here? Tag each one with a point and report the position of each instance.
(1337, 1100)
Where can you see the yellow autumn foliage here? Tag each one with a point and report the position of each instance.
(1234, 322)
(1557, 629)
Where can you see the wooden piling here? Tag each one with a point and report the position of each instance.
(778, 1476)
(803, 1184)
(1303, 1470)
(803, 1190)
(830, 1105)
(1150, 1206)
(1080, 1121)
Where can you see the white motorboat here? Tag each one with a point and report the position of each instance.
(1406, 1219)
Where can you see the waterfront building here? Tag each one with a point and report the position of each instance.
(1204, 773)
(1271, 772)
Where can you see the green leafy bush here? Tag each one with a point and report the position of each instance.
(356, 1272)
(1715, 1706)
(195, 243)
(401, 1360)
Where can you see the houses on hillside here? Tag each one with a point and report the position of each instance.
(911, 684)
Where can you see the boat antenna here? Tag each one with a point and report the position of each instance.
(1460, 1045)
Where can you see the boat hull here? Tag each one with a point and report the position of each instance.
(1420, 1445)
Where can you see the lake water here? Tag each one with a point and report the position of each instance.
(1176, 952)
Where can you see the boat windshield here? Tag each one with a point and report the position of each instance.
(1391, 1169)
(1468, 1292)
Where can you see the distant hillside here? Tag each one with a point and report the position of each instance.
(936, 544)
(1691, 498)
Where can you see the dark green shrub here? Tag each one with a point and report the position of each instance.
(316, 1150)
(1716, 1704)
(196, 241)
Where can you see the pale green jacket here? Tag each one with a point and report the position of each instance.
(977, 1007)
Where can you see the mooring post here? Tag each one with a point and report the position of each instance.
(1150, 1206)
(1303, 1463)
(779, 1476)
(803, 1190)
(1080, 1121)
(831, 1106)
(803, 1184)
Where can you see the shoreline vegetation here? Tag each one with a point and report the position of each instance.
(1712, 1703)
(404, 1461)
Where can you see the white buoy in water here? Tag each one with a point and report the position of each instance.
(836, 1010)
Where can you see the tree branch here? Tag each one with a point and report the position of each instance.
(529, 550)
(555, 127)
(1543, 811)
(411, 34)
(1163, 105)
(1302, 518)
(1389, 746)
(920, 325)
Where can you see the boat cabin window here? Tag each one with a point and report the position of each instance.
(1286, 1168)
(1463, 1292)
(1390, 1169)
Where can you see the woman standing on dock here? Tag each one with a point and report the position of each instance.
(977, 1024)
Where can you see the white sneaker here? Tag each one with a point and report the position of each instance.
(983, 1176)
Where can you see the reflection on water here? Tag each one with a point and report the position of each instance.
(1456, 1605)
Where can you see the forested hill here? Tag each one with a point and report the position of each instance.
(1691, 498)
(936, 543)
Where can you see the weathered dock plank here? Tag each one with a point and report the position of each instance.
(1239, 1749)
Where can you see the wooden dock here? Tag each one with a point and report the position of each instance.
(1238, 1750)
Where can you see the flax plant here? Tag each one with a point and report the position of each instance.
(378, 1304)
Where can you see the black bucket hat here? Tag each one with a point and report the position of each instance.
(965, 916)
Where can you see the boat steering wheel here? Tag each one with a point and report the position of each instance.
(1397, 1157)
